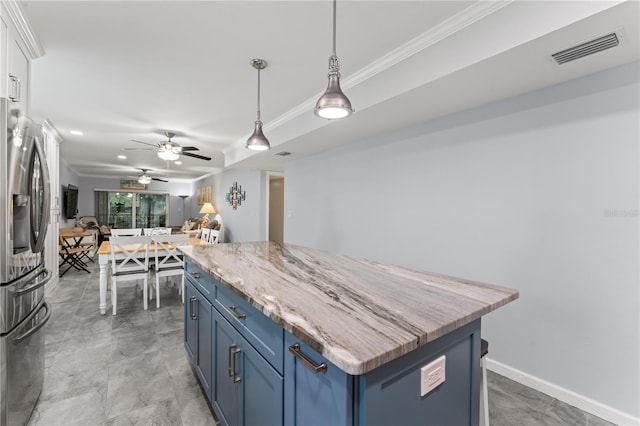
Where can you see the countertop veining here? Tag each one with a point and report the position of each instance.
(357, 313)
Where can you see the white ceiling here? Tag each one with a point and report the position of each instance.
(131, 70)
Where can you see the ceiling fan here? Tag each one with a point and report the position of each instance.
(145, 179)
(169, 150)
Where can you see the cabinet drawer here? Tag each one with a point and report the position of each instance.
(201, 279)
(265, 336)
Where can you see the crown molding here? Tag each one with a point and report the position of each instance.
(446, 28)
(461, 20)
(24, 28)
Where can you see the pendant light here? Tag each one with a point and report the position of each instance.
(333, 104)
(257, 141)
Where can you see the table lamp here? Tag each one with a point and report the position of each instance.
(206, 209)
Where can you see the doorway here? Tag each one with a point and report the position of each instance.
(275, 208)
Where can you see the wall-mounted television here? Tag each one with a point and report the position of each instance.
(71, 205)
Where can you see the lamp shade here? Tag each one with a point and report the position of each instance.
(207, 208)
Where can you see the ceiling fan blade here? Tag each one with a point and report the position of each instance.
(190, 148)
(159, 180)
(145, 143)
(200, 157)
(139, 149)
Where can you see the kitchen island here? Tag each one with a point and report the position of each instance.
(283, 334)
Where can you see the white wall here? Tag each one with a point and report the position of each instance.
(246, 223)
(538, 192)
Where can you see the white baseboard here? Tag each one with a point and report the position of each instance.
(582, 402)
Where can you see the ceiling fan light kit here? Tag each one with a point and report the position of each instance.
(258, 141)
(333, 104)
(145, 179)
(170, 151)
(168, 155)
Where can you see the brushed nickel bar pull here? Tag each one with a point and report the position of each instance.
(14, 94)
(295, 350)
(191, 300)
(236, 379)
(195, 275)
(230, 370)
(235, 313)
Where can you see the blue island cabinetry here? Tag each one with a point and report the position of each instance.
(254, 372)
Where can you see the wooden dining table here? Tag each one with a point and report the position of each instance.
(104, 256)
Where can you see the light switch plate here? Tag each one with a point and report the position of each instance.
(432, 375)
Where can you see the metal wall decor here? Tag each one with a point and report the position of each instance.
(235, 196)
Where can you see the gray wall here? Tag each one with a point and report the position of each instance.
(67, 176)
(86, 201)
(538, 192)
(247, 222)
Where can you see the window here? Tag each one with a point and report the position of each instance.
(131, 209)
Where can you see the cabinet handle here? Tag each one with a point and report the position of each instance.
(235, 313)
(191, 300)
(15, 88)
(295, 350)
(236, 379)
(229, 369)
(195, 275)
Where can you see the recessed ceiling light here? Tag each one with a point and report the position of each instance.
(178, 162)
(76, 132)
(122, 157)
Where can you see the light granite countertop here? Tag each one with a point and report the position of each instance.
(358, 314)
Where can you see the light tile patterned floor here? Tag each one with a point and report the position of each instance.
(132, 369)
(116, 370)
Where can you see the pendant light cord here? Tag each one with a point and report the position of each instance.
(334, 28)
(258, 93)
(334, 64)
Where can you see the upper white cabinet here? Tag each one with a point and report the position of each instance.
(18, 47)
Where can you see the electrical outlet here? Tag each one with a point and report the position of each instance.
(432, 375)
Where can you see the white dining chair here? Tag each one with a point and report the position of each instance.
(168, 261)
(204, 234)
(214, 236)
(126, 232)
(147, 231)
(129, 261)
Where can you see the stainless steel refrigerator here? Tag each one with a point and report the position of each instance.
(24, 216)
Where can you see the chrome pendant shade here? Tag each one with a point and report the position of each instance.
(333, 104)
(257, 141)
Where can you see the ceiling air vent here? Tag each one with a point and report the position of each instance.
(283, 153)
(586, 49)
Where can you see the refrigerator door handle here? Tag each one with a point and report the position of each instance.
(38, 326)
(37, 284)
(38, 244)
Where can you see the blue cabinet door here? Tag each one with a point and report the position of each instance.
(198, 334)
(315, 398)
(190, 325)
(226, 389)
(262, 396)
(205, 330)
(248, 390)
